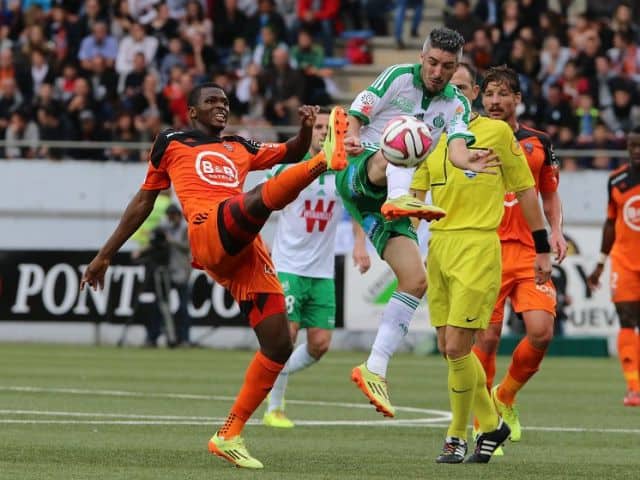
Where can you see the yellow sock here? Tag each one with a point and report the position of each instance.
(462, 381)
(483, 407)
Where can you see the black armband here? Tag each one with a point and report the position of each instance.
(541, 241)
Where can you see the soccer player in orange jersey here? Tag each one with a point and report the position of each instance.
(500, 97)
(208, 173)
(621, 239)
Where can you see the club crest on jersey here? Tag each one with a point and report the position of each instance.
(528, 146)
(217, 169)
(631, 213)
(438, 122)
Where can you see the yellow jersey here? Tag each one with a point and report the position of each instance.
(474, 200)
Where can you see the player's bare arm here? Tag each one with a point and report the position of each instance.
(134, 215)
(608, 238)
(361, 257)
(528, 200)
(298, 146)
(352, 139)
(553, 212)
(476, 160)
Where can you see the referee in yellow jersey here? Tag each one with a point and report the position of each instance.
(464, 266)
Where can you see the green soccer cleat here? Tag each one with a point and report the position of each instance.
(498, 452)
(375, 388)
(234, 451)
(333, 145)
(277, 419)
(509, 413)
(409, 206)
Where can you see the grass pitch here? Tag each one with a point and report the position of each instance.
(69, 412)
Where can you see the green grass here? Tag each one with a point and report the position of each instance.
(47, 388)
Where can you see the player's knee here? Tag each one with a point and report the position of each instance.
(318, 349)
(488, 341)
(541, 338)
(416, 285)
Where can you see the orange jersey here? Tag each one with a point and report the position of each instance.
(206, 170)
(544, 167)
(624, 209)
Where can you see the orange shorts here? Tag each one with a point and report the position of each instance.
(247, 272)
(519, 283)
(625, 283)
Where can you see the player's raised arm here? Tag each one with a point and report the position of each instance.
(136, 212)
(298, 146)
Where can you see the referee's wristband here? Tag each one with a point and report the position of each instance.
(541, 241)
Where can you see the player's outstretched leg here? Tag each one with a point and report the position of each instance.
(333, 145)
(375, 388)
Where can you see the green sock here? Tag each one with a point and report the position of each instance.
(462, 382)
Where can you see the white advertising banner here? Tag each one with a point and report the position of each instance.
(587, 314)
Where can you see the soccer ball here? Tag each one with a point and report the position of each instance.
(405, 141)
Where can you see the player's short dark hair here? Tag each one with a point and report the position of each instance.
(194, 94)
(445, 39)
(473, 73)
(502, 74)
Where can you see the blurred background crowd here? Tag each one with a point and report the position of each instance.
(121, 70)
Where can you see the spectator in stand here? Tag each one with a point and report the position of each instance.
(150, 97)
(625, 56)
(623, 114)
(588, 116)
(308, 58)
(556, 112)
(7, 67)
(588, 50)
(33, 39)
(89, 130)
(523, 58)
(103, 80)
(481, 50)
(84, 26)
(623, 21)
(39, 72)
(61, 33)
(239, 57)
(80, 100)
(319, 17)
(121, 20)
(552, 24)
(463, 20)
(20, 128)
(137, 41)
(10, 101)
(51, 127)
(400, 15)
(195, 23)
(530, 11)
(99, 43)
(204, 57)
(509, 28)
(133, 81)
(149, 125)
(573, 84)
(571, 10)
(602, 139)
(284, 89)
(263, 53)
(124, 131)
(601, 82)
(229, 23)
(164, 28)
(488, 11)
(266, 15)
(174, 57)
(553, 58)
(45, 98)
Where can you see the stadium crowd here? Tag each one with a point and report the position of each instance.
(121, 70)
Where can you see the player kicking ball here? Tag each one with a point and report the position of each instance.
(208, 173)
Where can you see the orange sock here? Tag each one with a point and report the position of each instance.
(281, 190)
(525, 362)
(259, 379)
(638, 338)
(628, 354)
(488, 361)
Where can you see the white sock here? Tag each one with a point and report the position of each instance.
(299, 360)
(399, 180)
(394, 326)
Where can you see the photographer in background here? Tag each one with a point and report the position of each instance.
(175, 230)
